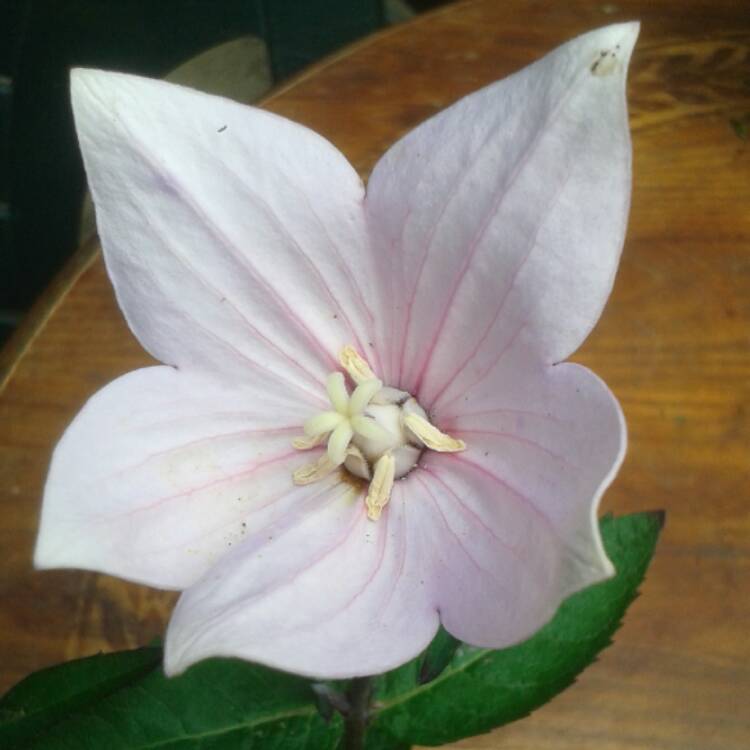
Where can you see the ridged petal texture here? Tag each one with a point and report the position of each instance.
(245, 255)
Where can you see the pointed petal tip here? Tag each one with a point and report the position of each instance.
(604, 50)
(608, 569)
(47, 555)
(628, 32)
(96, 91)
(60, 546)
(38, 561)
(58, 554)
(619, 37)
(91, 91)
(84, 79)
(172, 665)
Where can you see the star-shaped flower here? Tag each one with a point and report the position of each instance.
(360, 428)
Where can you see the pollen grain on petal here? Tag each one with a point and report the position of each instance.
(431, 437)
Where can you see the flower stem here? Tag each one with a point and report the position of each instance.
(355, 721)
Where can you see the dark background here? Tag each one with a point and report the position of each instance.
(41, 178)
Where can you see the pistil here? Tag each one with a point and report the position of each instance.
(377, 433)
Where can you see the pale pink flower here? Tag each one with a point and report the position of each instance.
(246, 257)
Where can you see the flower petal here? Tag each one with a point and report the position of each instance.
(235, 238)
(163, 471)
(519, 506)
(325, 592)
(505, 215)
(491, 588)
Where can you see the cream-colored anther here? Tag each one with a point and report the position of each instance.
(356, 463)
(355, 365)
(378, 433)
(431, 437)
(310, 473)
(381, 486)
(306, 443)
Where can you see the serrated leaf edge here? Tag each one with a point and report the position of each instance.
(658, 517)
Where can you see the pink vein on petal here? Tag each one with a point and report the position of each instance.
(469, 512)
(501, 353)
(429, 239)
(376, 569)
(524, 499)
(393, 296)
(308, 565)
(343, 265)
(251, 362)
(214, 229)
(448, 423)
(207, 439)
(516, 439)
(213, 483)
(402, 558)
(460, 543)
(517, 169)
(219, 295)
(295, 517)
(353, 284)
(300, 251)
(183, 446)
(183, 419)
(478, 519)
(506, 296)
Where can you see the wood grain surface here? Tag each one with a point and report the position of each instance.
(674, 345)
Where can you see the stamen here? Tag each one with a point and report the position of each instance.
(306, 443)
(378, 433)
(431, 437)
(357, 367)
(310, 473)
(381, 486)
(356, 463)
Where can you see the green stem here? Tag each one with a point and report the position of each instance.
(355, 721)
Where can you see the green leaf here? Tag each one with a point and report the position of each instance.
(221, 703)
(124, 702)
(438, 655)
(48, 696)
(481, 689)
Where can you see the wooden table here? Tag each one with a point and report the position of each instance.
(674, 344)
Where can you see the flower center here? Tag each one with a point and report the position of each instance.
(377, 433)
